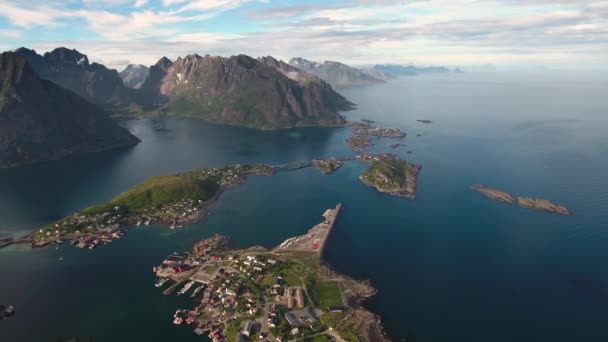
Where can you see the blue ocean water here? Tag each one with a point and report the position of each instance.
(451, 265)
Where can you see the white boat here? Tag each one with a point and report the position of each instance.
(161, 282)
(197, 290)
(185, 288)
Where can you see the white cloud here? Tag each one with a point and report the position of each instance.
(358, 32)
(140, 3)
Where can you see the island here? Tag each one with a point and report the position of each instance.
(424, 121)
(494, 194)
(171, 200)
(287, 293)
(539, 204)
(358, 142)
(328, 166)
(393, 176)
(397, 145)
(542, 205)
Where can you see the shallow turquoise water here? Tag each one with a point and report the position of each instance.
(451, 265)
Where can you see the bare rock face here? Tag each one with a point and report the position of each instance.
(241, 90)
(134, 75)
(71, 70)
(40, 120)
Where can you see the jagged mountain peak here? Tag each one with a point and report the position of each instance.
(68, 56)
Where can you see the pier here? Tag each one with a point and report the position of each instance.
(316, 238)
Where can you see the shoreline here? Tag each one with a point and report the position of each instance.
(267, 279)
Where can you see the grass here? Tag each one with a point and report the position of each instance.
(318, 338)
(158, 191)
(233, 328)
(388, 174)
(335, 321)
(326, 294)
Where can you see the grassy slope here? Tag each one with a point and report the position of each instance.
(389, 174)
(161, 190)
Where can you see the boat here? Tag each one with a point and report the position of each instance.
(197, 290)
(185, 288)
(160, 282)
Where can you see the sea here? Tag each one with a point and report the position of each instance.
(450, 265)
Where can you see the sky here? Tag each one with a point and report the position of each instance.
(568, 34)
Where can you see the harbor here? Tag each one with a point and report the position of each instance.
(269, 295)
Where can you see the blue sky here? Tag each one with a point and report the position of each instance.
(570, 34)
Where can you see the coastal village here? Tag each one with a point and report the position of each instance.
(170, 205)
(278, 295)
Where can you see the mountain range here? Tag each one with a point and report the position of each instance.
(58, 104)
(340, 75)
(391, 71)
(71, 70)
(240, 90)
(40, 120)
(337, 74)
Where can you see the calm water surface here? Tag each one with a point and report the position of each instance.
(451, 265)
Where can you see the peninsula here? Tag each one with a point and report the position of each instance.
(394, 176)
(287, 293)
(171, 200)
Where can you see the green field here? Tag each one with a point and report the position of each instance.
(327, 293)
(161, 190)
(318, 338)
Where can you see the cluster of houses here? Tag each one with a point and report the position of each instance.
(246, 289)
(379, 131)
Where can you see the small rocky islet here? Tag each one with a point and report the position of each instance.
(539, 204)
(328, 166)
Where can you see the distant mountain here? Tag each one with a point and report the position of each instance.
(71, 70)
(337, 74)
(389, 71)
(40, 120)
(134, 75)
(240, 90)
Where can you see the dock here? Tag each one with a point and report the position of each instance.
(315, 239)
